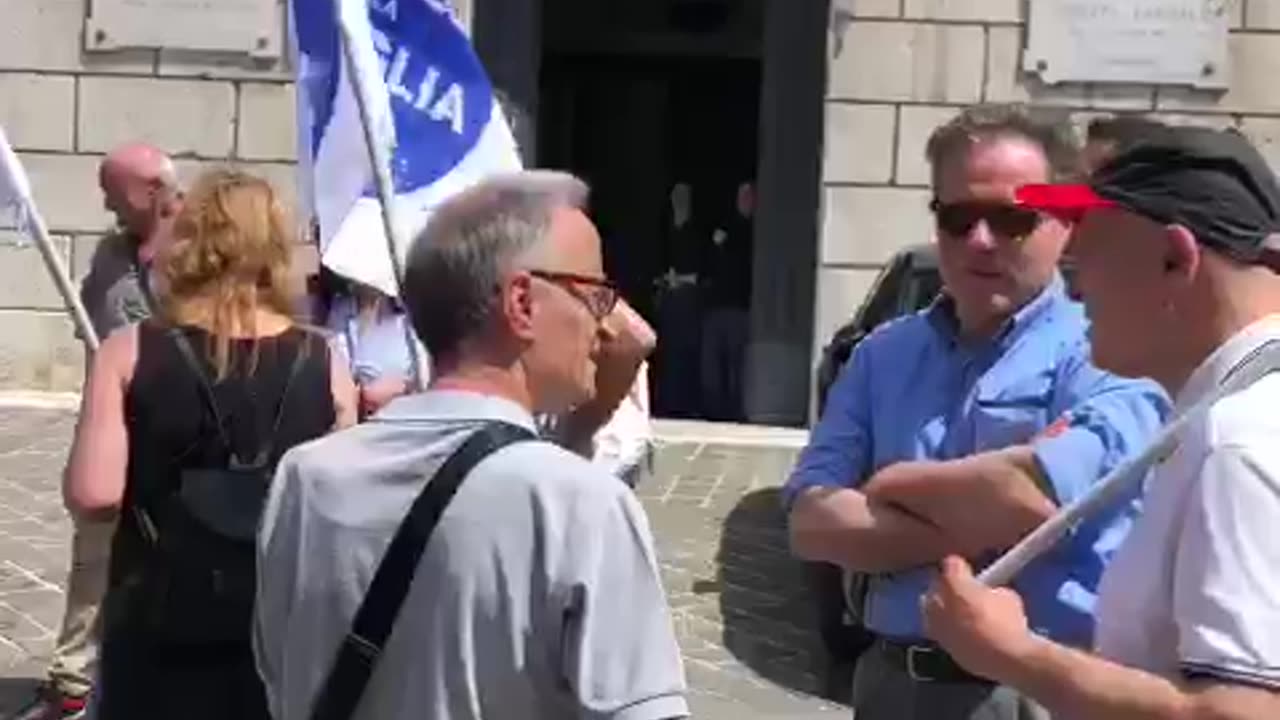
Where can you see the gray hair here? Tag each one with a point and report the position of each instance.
(1047, 129)
(457, 262)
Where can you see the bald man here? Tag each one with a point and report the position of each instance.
(140, 188)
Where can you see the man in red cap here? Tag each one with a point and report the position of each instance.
(1177, 250)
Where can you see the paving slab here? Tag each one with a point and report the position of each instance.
(738, 599)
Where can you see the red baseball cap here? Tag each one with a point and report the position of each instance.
(1068, 202)
(1214, 183)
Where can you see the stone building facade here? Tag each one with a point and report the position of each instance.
(895, 69)
(898, 68)
(62, 108)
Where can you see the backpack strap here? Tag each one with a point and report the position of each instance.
(189, 357)
(299, 360)
(141, 510)
(362, 647)
(192, 362)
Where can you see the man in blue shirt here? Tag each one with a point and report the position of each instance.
(961, 428)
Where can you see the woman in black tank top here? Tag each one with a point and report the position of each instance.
(183, 420)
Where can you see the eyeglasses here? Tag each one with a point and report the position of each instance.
(599, 295)
(1008, 221)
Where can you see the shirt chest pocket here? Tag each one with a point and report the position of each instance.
(1012, 414)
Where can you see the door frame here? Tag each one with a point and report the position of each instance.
(507, 34)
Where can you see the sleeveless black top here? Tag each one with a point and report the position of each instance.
(172, 428)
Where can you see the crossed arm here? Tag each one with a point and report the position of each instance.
(907, 514)
(984, 502)
(915, 513)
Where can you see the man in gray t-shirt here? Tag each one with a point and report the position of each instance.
(139, 187)
(113, 292)
(538, 595)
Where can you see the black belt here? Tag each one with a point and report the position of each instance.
(925, 662)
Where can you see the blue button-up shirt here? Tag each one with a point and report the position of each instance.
(915, 390)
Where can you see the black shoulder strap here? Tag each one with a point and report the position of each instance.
(299, 359)
(206, 392)
(358, 655)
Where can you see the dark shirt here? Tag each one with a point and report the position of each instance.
(684, 248)
(264, 407)
(171, 426)
(726, 275)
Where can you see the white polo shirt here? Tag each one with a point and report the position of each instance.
(1195, 590)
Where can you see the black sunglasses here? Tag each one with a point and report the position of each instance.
(1008, 221)
(600, 296)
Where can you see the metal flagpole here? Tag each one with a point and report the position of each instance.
(1128, 474)
(14, 185)
(58, 270)
(380, 159)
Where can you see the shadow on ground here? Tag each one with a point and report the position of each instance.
(770, 620)
(16, 693)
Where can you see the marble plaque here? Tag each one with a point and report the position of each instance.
(1157, 42)
(253, 27)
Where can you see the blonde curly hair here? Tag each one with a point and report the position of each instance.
(229, 259)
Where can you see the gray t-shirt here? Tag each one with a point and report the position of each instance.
(112, 292)
(537, 597)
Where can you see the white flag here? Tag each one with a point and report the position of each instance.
(18, 209)
(15, 190)
(432, 99)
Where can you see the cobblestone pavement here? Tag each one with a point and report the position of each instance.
(736, 596)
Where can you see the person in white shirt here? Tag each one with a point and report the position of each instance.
(371, 331)
(1177, 252)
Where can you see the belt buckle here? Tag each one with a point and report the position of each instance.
(912, 653)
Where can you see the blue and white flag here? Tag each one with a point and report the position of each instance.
(432, 100)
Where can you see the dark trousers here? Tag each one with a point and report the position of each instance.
(883, 691)
(141, 678)
(844, 639)
(679, 354)
(724, 349)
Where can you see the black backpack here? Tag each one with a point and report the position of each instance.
(198, 582)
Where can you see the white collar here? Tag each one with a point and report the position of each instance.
(1224, 359)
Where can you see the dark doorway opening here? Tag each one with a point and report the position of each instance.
(637, 99)
(609, 75)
